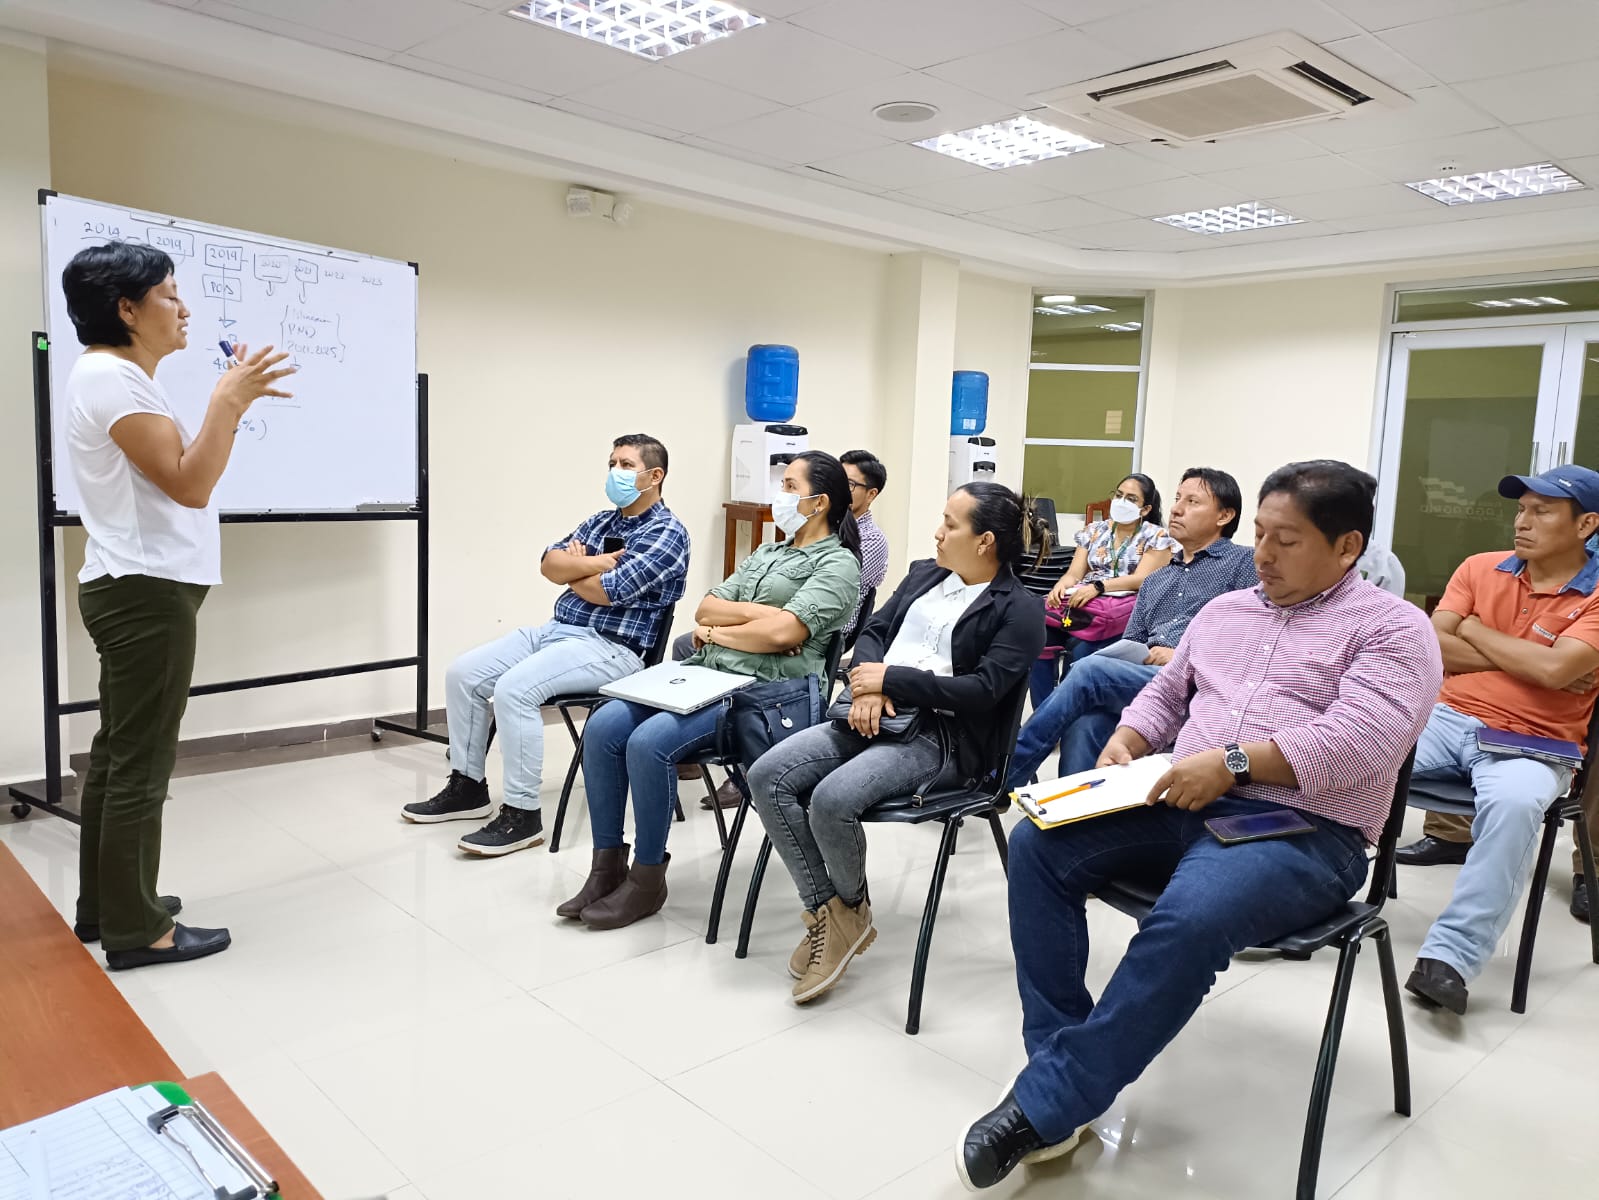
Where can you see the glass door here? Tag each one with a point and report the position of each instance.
(1577, 414)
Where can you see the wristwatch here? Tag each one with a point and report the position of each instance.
(1099, 586)
(1237, 762)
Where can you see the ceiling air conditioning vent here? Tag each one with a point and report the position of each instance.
(1271, 82)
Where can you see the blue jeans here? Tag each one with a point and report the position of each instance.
(1046, 672)
(1080, 714)
(1512, 796)
(626, 743)
(1217, 900)
(520, 672)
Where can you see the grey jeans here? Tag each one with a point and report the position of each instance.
(811, 789)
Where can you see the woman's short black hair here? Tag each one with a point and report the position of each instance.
(97, 278)
(864, 461)
(1336, 497)
(1223, 489)
(1151, 496)
(1019, 532)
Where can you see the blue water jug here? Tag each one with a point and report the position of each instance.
(968, 409)
(771, 384)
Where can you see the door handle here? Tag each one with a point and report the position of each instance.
(1532, 468)
(1561, 456)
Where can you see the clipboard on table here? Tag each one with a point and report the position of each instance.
(1093, 793)
(152, 1142)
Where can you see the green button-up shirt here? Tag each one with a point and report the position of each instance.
(819, 583)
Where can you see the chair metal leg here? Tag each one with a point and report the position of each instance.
(924, 941)
(1393, 882)
(1398, 1048)
(757, 877)
(571, 778)
(677, 809)
(1584, 836)
(716, 809)
(1000, 843)
(728, 850)
(1326, 1062)
(1529, 923)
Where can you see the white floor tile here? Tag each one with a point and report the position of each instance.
(1420, 1163)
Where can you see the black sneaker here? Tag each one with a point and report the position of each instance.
(1579, 900)
(995, 1144)
(512, 830)
(462, 799)
(1438, 985)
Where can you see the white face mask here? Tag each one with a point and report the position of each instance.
(786, 514)
(1123, 512)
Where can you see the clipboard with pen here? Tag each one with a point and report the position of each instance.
(152, 1142)
(1093, 793)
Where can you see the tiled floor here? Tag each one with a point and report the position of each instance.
(413, 1023)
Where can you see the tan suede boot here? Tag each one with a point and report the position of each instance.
(800, 961)
(840, 933)
(641, 895)
(606, 874)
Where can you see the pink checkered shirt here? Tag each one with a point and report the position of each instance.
(1342, 683)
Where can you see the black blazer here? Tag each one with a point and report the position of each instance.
(993, 646)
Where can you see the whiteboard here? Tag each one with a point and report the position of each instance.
(348, 438)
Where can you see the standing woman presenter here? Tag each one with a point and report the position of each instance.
(154, 550)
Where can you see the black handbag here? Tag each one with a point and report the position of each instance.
(901, 725)
(757, 717)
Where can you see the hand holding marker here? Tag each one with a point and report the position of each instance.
(248, 377)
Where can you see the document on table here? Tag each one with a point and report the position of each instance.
(104, 1149)
(1091, 793)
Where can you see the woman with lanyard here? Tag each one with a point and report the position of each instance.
(1113, 558)
(771, 618)
(154, 550)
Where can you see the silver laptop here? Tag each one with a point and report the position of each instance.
(676, 687)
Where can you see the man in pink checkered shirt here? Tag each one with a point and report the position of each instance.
(1305, 693)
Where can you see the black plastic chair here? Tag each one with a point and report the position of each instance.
(952, 809)
(589, 701)
(1457, 799)
(735, 772)
(1346, 929)
(863, 614)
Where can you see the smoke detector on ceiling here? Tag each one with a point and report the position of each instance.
(1276, 81)
(905, 112)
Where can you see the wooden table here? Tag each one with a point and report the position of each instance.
(67, 1034)
(757, 516)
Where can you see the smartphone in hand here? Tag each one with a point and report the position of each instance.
(612, 545)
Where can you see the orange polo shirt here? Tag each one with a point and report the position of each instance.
(1496, 590)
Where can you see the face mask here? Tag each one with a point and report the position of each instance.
(1123, 512)
(621, 487)
(786, 514)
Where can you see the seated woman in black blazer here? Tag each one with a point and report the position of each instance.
(957, 637)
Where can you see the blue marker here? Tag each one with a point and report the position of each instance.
(227, 349)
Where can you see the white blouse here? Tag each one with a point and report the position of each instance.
(925, 635)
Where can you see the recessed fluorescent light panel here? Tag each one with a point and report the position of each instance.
(1008, 143)
(1229, 219)
(1068, 310)
(1521, 302)
(1057, 299)
(648, 28)
(1538, 179)
(1124, 326)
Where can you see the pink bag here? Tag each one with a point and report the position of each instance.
(1102, 619)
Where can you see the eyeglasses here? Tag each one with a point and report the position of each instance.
(853, 485)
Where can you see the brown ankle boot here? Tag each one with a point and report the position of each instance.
(640, 896)
(606, 874)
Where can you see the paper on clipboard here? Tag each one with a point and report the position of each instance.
(1123, 787)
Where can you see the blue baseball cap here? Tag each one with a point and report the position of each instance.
(1566, 483)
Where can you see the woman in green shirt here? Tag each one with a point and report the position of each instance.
(772, 618)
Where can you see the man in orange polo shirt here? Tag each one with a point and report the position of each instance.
(1520, 641)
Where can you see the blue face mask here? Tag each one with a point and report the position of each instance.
(621, 487)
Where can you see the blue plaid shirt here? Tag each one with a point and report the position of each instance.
(1172, 595)
(647, 581)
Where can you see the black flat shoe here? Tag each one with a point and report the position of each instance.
(91, 933)
(1438, 985)
(1432, 852)
(1579, 899)
(187, 943)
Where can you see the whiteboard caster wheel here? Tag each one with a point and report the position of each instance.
(21, 811)
(377, 734)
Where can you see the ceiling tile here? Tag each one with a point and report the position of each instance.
(1080, 12)
(1433, 112)
(1064, 213)
(1566, 137)
(1169, 28)
(752, 158)
(1398, 220)
(982, 193)
(1098, 171)
(1326, 171)
(785, 63)
(589, 112)
(1130, 235)
(376, 22)
(1587, 170)
(819, 175)
(1538, 95)
(1499, 40)
(530, 55)
(920, 33)
(1014, 73)
(674, 100)
(455, 75)
(900, 166)
(1486, 150)
(368, 48)
(957, 108)
(1386, 14)
(1277, 233)
(1370, 54)
(1170, 196)
(1355, 202)
(1251, 150)
(793, 136)
(780, 8)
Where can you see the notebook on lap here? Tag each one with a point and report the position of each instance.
(1549, 750)
(676, 687)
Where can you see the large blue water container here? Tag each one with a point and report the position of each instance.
(968, 407)
(771, 384)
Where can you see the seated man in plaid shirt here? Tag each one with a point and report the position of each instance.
(1305, 693)
(606, 620)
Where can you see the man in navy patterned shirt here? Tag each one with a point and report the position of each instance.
(622, 569)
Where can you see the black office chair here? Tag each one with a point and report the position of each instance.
(1457, 799)
(987, 800)
(589, 701)
(1347, 929)
(862, 615)
(734, 771)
